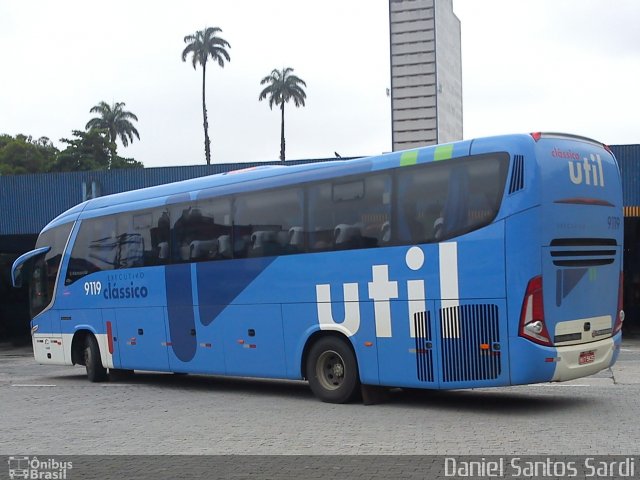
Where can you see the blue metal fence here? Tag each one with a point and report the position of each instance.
(629, 160)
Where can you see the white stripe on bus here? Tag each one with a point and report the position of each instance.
(449, 288)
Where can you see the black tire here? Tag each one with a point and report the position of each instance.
(95, 371)
(332, 370)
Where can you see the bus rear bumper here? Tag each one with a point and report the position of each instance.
(576, 361)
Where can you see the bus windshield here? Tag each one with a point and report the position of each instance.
(44, 271)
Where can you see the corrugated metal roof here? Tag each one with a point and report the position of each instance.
(629, 160)
(29, 202)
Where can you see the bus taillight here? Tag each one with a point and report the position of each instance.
(532, 324)
(620, 312)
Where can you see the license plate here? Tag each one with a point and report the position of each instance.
(587, 357)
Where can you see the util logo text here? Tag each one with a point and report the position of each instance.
(588, 171)
(381, 290)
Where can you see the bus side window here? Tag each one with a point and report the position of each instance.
(103, 243)
(455, 216)
(202, 230)
(159, 236)
(130, 252)
(209, 232)
(441, 200)
(475, 191)
(376, 211)
(268, 223)
(144, 238)
(321, 217)
(422, 192)
(347, 199)
(191, 226)
(486, 181)
(179, 247)
(352, 213)
(95, 248)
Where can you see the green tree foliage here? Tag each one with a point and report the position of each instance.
(283, 86)
(202, 45)
(94, 149)
(90, 150)
(21, 154)
(87, 151)
(116, 122)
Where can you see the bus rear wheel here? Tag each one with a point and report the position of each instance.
(332, 370)
(95, 371)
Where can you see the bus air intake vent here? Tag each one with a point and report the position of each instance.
(583, 252)
(517, 174)
(470, 343)
(424, 345)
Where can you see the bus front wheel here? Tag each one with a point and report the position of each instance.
(95, 371)
(332, 370)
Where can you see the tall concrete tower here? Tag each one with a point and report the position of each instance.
(426, 73)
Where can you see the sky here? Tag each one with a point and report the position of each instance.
(542, 65)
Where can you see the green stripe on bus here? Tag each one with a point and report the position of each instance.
(443, 152)
(409, 158)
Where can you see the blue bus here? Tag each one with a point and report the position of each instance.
(488, 262)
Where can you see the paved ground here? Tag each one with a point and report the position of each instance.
(55, 410)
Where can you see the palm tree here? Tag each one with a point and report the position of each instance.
(116, 122)
(202, 45)
(283, 86)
